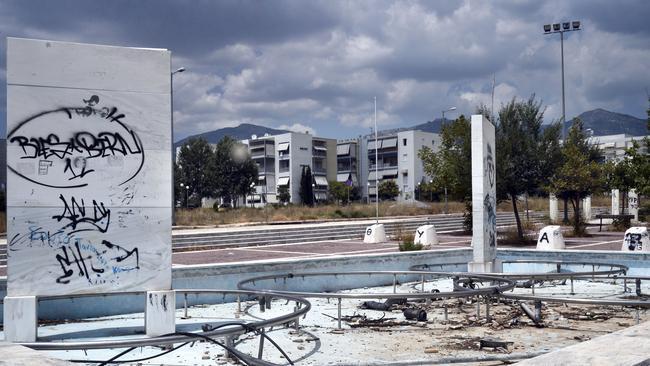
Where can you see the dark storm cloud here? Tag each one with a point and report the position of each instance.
(318, 64)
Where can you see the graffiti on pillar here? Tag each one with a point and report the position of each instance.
(489, 202)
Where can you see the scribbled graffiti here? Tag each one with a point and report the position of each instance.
(91, 261)
(65, 159)
(489, 206)
(489, 165)
(78, 218)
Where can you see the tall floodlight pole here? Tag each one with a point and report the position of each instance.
(443, 122)
(171, 105)
(376, 167)
(561, 28)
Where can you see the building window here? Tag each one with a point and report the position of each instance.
(404, 142)
(405, 157)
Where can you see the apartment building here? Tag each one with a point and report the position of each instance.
(613, 146)
(347, 164)
(280, 160)
(397, 159)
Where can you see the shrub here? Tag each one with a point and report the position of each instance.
(407, 243)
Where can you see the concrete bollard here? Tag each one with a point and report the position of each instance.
(160, 313)
(636, 240)
(375, 234)
(550, 238)
(426, 235)
(553, 212)
(20, 318)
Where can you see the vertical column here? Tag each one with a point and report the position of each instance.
(484, 220)
(553, 212)
(616, 203)
(586, 208)
(20, 319)
(633, 204)
(159, 314)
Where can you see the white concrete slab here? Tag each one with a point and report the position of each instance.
(20, 318)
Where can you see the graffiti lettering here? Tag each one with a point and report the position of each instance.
(109, 258)
(489, 205)
(74, 212)
(71, 153)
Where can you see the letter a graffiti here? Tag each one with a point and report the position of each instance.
(544, 237)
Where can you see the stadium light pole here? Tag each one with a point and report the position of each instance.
(171, 105)
(562, 28)
(450, 109)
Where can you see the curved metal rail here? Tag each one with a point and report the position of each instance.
(230, 330)
(503, 284)
(614, 269)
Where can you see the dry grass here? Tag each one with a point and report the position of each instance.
(206, 216)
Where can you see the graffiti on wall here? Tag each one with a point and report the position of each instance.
(489, 202)
(97, 139)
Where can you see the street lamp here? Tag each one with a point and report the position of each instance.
(313, 192)
(187, 193)
(419, 195)
(450, 109)
(171, 104)
(561, 28)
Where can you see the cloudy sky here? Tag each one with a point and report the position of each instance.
(316, 65)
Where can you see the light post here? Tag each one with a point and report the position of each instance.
(419, 195)
(187, 193)
(430, 191)
(376, 168)
(446, 207)
(313, 193)
(171, 104)
(450, 109)
(561, 28)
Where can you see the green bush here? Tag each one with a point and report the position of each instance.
(407, 243)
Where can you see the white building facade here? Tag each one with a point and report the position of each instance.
(613, 146)
(281, 159)
(397, 159)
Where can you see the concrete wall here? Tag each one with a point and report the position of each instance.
(226, 276)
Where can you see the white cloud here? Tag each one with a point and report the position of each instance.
(298, 127)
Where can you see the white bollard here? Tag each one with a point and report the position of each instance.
(426, 235)
(160, 313)
(20, 318)
(553, 212)
(633, 204)
(636, 240)
(550, 238)
(375, 234)
(586, 208)
(616, 203)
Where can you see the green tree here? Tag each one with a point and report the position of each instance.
(306, 189)
(640, 162)
(234, 173)
(340, 192)
(388, 190)
(579, 175)
(451, 166)
(525, 154)
(194, 170)
(283, 194)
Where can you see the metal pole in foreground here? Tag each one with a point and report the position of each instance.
(376, 168)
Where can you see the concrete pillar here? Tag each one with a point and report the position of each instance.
(484, 218)
(160, 313)
(586, 208)
(20, 318)
(633, 204)
(616, 202)
(553, 212)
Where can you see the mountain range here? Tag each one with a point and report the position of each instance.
(600, 121)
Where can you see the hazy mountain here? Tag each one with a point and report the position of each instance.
(241, 132)
(602, 122)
